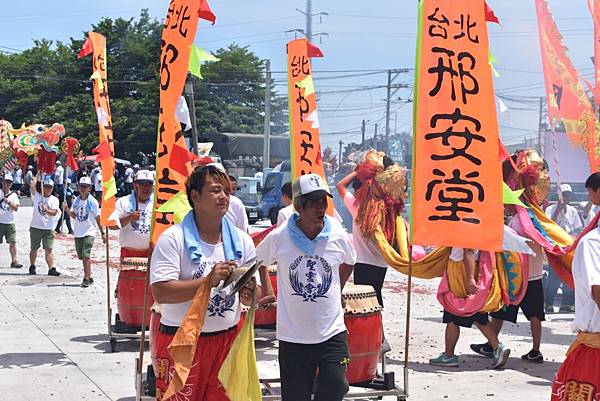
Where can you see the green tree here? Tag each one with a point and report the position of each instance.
(47, 84)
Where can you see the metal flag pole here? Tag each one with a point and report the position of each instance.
(140, 360)
(407, 331)
(108, 308)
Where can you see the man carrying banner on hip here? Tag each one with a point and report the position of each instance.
(204, 242)
(311, 249)
(579, 376)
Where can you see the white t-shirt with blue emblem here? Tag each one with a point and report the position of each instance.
(42, 220)
(135, 235)
(171, 261)
(309, 305)
(7, 215)
(86, 211)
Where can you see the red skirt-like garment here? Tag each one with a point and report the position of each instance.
(203, 381)
(578, 378)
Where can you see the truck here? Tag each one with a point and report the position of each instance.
(247, 191)
(271, 190)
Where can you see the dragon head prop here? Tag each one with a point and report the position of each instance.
(530, 172)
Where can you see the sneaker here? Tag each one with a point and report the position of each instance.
(567, 309)
(85, 283)
(32, 269)
(444, 360)
(500, 356)
(549, 309)
(533, 356)
(483, 349)
(16, 265)
(53, 272)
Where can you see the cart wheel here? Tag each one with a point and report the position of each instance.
(113, 344)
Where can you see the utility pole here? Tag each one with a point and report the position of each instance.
(308, 31)
(540, 123)
(189, 90)
(362, 130)
(375, 138)
(267, 127)
(388, 101)
(340, 155)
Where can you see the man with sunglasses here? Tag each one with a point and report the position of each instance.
(135, 217)
(85, 213)
(310, 249)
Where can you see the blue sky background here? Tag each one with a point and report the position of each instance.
(373, 35)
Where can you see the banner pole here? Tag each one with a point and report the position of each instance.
(140, 364)
(108, 308)
(407, 331)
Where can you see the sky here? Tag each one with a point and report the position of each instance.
(364, 40)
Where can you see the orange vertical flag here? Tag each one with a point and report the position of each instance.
(456, 177)
(102, 109)
(305, 141)
(567, 100)
(178, 35)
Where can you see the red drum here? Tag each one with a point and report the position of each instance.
(154, 326)
(362, 315)
(130, 292)
(267, 317)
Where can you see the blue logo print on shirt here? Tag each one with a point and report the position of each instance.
(142, 225)
(306, 283)
(219, 305)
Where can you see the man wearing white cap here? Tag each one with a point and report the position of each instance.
(311, 249)
(135, 217)
(9, 204)
(567, 217)
(45, 209)
(85, 213)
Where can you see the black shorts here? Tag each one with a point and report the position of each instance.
(465, 321)
(532, 305)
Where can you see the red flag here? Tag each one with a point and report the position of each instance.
(206, 13)
(502, 152)
(313, 51)
(102, 151)
(87, 48)
(179, 158)
(489, 14)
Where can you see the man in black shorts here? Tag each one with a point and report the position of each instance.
(532, 306)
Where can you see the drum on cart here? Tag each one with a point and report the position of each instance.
(267, 317)
(131, 287)
(362, 315)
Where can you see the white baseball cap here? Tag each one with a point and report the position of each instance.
(8, 176)
(144, 175)
(48, 182)
(310, 184)
(565, 188)
(85, 181)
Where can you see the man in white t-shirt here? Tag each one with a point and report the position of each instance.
(580, 369)
(45, 210)
(135, 217)
(532, 304)
(204, 243)
(85, 213)
(310, 250)
(17, 176)
(128, 176)
(9, 204)
(567, 217)
(286, 199)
